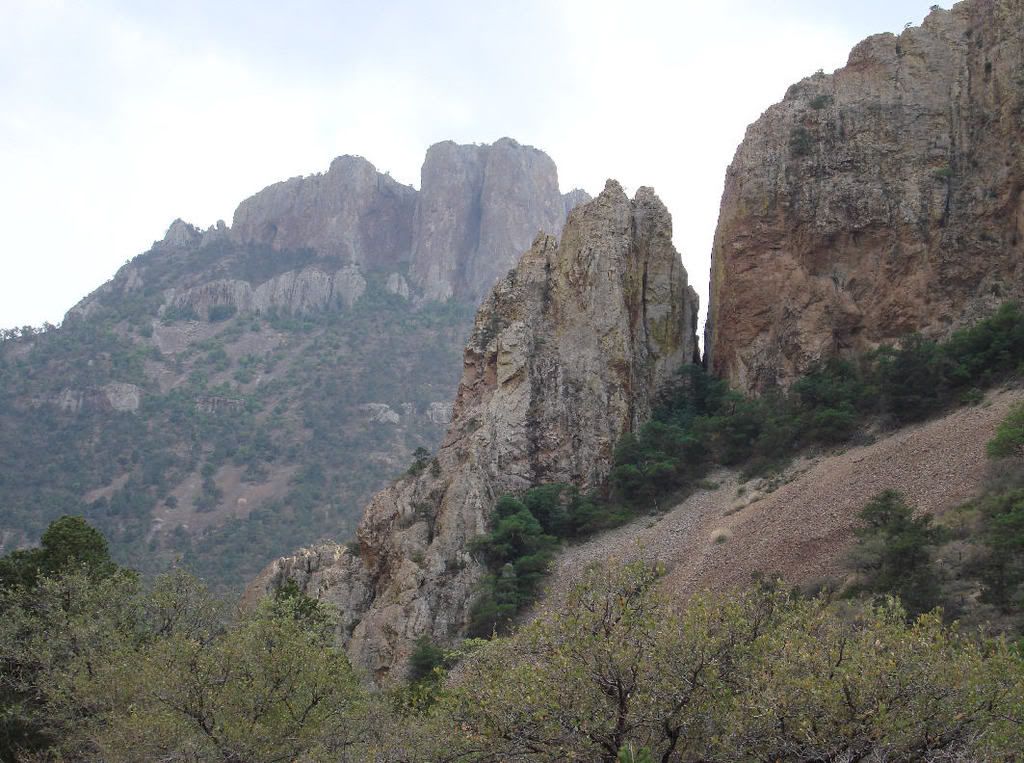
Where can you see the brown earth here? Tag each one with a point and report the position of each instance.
(801, 530)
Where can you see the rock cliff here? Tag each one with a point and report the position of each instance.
(883, 199)
(567, 353)
(351, 212)
(479, 209)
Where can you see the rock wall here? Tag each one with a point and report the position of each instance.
(567, 353)
(479, 209)
(351, 212)
(883, 199)
(297, 292)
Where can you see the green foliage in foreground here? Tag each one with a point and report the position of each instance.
(702, 424)
(753, 676)
(110, 670)
(119, 671)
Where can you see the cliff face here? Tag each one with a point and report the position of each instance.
(479, 209)
(275, 373)
(884, 199)
(351, 212)
(567, 353)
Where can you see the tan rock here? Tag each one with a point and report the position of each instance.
(880, 200)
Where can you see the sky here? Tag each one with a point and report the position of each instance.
(119, 117)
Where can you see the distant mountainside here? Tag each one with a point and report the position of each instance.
(880, 200)
(236, 392)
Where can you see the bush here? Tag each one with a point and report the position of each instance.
(425, 657)
(894, 555)
(800, 141)
(1009, 439)
(221, 313)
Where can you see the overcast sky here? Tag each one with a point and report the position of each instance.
(118, 117)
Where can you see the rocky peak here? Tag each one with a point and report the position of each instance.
(568, 352)
(884, 199)
(351, 212)
(479, 208)
(180, 235)
(574, 198)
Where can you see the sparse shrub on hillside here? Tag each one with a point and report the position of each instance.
(1009, 439)
(894, 556)
(801, 143)
(221, 313)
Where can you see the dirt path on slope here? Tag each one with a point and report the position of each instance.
(802, 530)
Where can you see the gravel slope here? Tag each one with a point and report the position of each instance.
(801, 530)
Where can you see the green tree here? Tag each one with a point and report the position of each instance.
(426, 657)
(894, 556)
(272, 686)
(756, 675)
(67, 542)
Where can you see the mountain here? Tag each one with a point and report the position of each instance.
(568, 352)
(884, 199)
(236, 392)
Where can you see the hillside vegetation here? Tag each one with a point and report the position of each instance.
(241, 436)
(702, 426)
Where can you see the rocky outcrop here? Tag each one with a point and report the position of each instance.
(567, 353)
(884, 199)
(113, 396)
(296, 292)
(479, 209)
(351, 212)
(180, 235)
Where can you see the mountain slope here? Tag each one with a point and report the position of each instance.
(802, 528)
(236, 392)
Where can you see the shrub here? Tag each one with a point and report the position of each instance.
(1009, 439)
(425, 657)
(800, 141)
(221, 313)
(895, 552)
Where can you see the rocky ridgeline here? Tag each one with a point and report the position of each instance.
(478, 209)
(567, 353)
(883, 199)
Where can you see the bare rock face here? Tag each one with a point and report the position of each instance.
(351, 212)
(479, 209)
(180, 235)
(884, 199)
(567, 353)
(297, 292)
